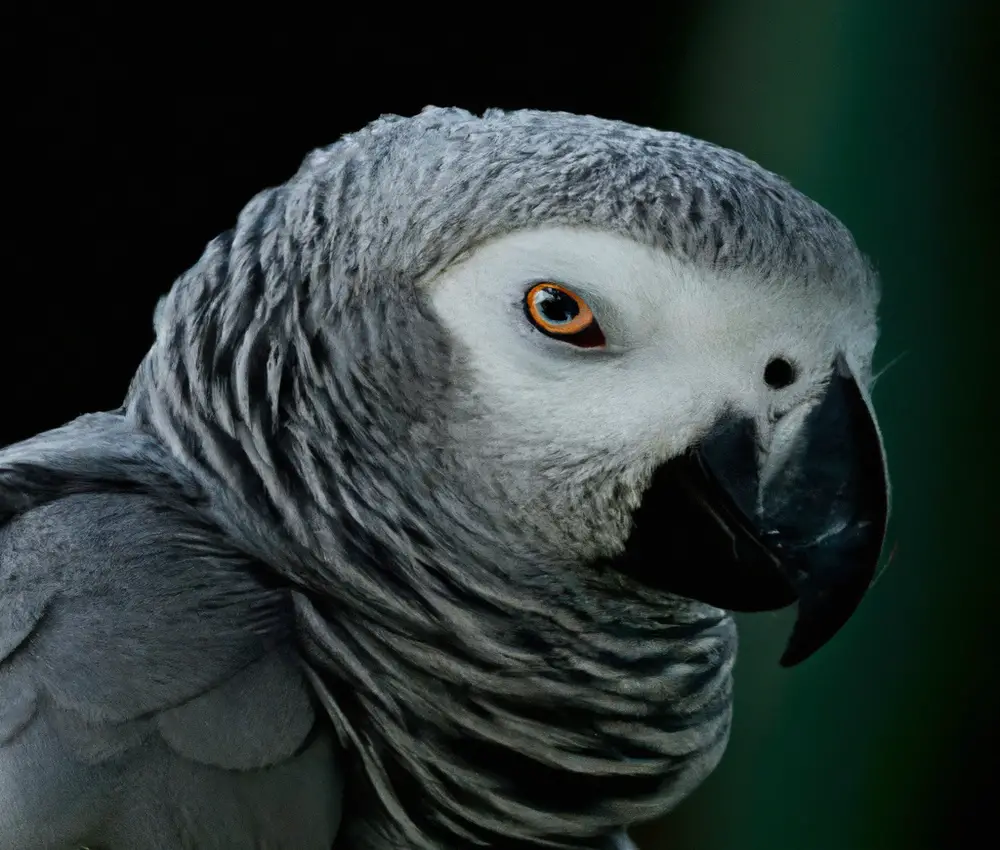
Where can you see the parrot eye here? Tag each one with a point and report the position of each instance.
(561, 314)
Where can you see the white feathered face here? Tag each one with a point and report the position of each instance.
(592, 344)
(590, 361)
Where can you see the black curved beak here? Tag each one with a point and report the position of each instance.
(759, 527)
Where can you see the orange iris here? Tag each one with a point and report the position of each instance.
(557, 310)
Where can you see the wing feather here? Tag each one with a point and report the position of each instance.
(144, 664)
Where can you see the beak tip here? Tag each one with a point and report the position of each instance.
(788, 660)
(799, 647)
(795, 654)
(822, 616)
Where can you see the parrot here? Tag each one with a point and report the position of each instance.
(425, 517)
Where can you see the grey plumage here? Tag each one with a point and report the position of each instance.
(143, 662)
(311, 481)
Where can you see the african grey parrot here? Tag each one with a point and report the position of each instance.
(424, 516)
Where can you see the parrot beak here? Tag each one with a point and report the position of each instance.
(802, 519)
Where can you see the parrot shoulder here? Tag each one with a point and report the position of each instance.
(137, 644)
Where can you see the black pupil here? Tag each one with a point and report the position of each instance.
(556, 306)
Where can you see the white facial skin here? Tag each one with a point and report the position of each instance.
(683, 344)
(567, 438)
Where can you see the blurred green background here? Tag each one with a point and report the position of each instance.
(143, 140)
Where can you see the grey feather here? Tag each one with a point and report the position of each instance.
(151, 694)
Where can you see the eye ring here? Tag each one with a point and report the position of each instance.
(560, 313)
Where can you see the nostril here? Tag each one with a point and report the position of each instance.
(779, 373)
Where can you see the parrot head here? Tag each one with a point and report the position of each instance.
(613, 354)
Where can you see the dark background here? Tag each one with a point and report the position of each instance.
(138, 140)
